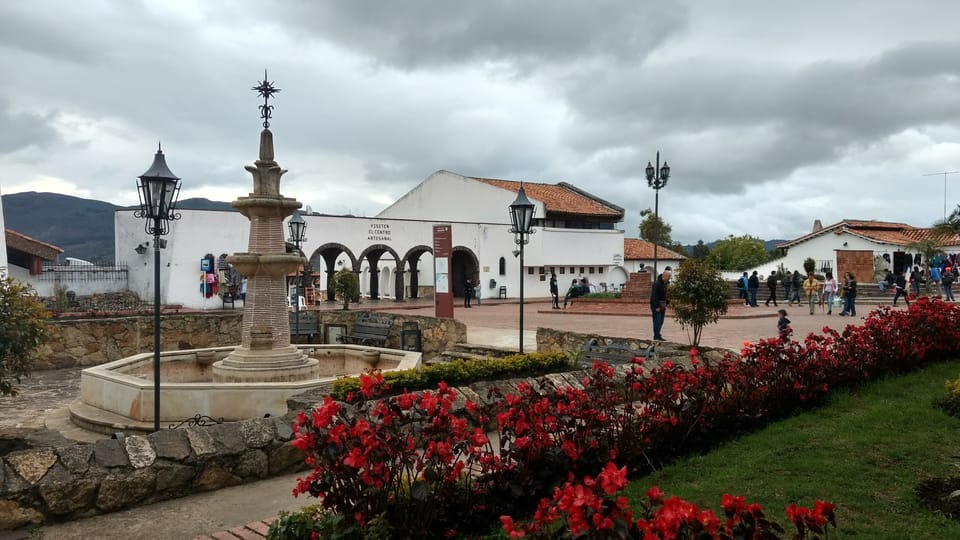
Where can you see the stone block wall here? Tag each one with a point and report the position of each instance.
(94, 341)
(90, 342)
(70, 481)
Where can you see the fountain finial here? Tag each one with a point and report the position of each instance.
(266, 90)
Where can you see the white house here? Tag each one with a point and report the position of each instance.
(866, 248)
(576, 233)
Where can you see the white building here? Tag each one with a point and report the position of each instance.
(576, 234)
(866, 248)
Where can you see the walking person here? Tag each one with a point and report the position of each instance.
(754, 288)
(554, 290)
(658, 303)
(783, 325)
(772, 286)
(811, 286)
(476, 292)
(849, 295)
(796, 283)
(915, 280)
(829, 291)
(947, 281)
(935, 279)
(900, 288)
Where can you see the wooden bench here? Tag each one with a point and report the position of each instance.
(612, 354)
(370, 329)
(308, 325)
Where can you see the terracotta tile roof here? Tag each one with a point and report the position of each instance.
(560, 198)
(884, 232)
(636, 249)
(31, 246)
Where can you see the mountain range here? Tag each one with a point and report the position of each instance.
(83, 228)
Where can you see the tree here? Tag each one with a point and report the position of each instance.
(698, 295)
(22, 329)
(700, 251)
(346, 285)
(737, 253)
(809, 265)
(653, 229)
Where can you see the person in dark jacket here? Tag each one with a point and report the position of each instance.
(900, 288)
(772, 286)
(796, 283)
(467, 292)
(554, 290)
(783, 325)
(947, 280)
(754, 288)
(658, 302)
(849, 296)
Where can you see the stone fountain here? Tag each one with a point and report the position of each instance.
(238, 382)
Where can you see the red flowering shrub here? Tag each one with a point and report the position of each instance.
(591, 509)
(411, 463)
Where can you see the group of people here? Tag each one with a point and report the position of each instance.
(817, 292)
(578, 287)
(941, 280)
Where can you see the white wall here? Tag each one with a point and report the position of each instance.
(200, 232)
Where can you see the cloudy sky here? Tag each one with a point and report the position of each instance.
(771, 114)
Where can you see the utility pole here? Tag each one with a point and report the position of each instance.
(944, 173)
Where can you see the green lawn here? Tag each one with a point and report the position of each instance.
(865, 451)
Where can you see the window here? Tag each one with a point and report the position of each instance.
(530, 270)
(543, 270)
(503, 266)
(573, 270)
(581, 269)
(563, 270)
(591, 269)
(600, 270)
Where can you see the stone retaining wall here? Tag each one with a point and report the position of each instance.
(90, 342)
(71, 481)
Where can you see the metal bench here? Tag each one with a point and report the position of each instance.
(612, 354)
(370, 329)
(308, 325)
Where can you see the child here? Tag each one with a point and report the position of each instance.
(783, 325)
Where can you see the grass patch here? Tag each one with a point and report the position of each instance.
(865, 451)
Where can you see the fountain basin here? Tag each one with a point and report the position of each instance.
(119, 395)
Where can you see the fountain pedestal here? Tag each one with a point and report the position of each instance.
(265, 353)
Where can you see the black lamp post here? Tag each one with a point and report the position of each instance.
(657, 178)
(521, 216)
(298, 230)
(158, 190)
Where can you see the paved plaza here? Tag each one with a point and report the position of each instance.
(493, 323)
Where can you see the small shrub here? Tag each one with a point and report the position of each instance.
(463, 372)
(22, 329)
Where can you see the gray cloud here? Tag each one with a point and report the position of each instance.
(23, 130)
(435, 33)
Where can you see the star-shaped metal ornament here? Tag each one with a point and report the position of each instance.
(266, 90)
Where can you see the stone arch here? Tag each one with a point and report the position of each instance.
(372, 255)
(411, 259)
(324, 260)
(463, 264)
